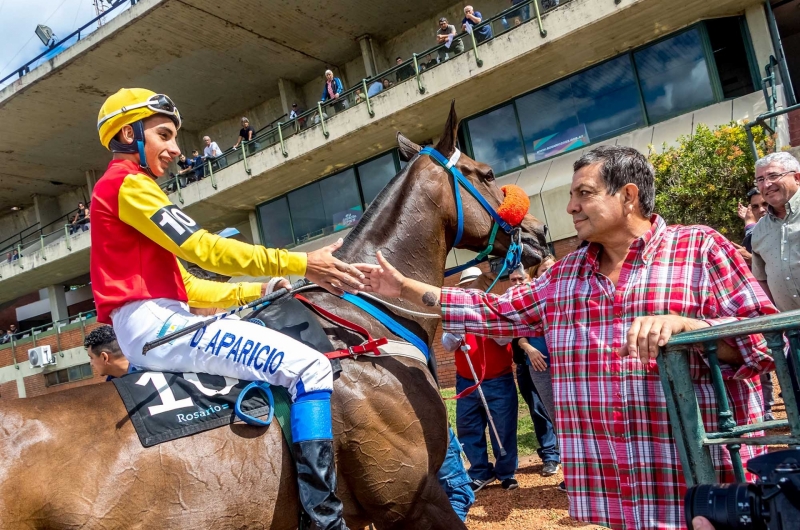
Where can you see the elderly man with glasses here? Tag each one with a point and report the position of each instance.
(776, 236)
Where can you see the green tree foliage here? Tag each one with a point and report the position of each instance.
(703, 178)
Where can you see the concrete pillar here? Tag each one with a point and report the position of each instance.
(91, 180)
(367, 55)
(254, 228)
(46, 209)
(759, 34)
(290, 93)
(58, 302)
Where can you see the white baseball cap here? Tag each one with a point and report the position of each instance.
(469, 275)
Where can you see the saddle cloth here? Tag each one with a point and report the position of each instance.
(164, 406)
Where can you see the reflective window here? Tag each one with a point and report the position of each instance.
(341, 200)
(674, 76)
(591, 106)
(375, 175)
(728, 45)
(276, 226)
(496, 141)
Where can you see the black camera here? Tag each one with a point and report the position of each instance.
(772, 503)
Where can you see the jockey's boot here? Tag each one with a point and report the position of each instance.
(312, 438)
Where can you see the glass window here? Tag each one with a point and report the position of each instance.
(674, 76)
(495, 139)
(326, 206)
(587, 107)
(375, 175)
(276, 226)
(730, 56)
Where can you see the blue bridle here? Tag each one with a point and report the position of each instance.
(514, 255)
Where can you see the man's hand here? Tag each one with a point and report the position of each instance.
(648, 333)
(332, 274)
(283, 283)
(745, 213)
(384, 279)
(536, 357)
(743, 252)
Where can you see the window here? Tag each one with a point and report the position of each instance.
(73, 373)
(673, 75)
(327, 206)
(590, 106)
(728, 46)
(375, 175)
(496, 141)
(276, 225)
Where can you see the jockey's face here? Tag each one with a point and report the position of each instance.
(105, 363)
(160, 143)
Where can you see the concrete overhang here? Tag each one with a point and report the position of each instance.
(580, 34)
(215, 59)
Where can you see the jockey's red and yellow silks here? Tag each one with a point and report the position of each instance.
(137, 233)
(206, 293)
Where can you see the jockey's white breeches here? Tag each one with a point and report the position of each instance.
(229, 347)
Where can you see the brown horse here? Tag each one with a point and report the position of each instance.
(73, 460)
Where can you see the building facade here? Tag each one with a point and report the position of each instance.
(533, 97)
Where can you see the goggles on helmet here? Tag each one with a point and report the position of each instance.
(159, 103)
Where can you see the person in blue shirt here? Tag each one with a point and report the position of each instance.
(375, 88)
(473, 18)
(332, 91)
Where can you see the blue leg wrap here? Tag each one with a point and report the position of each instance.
(311, 417)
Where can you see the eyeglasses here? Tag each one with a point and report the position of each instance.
(159, 103)
(770, 178)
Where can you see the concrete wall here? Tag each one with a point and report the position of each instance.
(13, 222)
(226, 132)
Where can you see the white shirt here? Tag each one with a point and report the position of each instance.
(212, 150)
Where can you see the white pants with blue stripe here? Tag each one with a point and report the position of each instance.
(229, 347)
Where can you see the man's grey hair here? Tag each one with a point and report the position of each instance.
(620, 166)
(328, 72)
(784, 159)
(519, 270)
(206, 138)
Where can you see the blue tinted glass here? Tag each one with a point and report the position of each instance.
(375, 175)
(674, 76)
(340, 200)
(495, 139)
(587, 107)
(276, 228)
(308, 216)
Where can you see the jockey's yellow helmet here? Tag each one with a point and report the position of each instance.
(131, 105)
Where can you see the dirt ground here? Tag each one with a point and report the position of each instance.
(537, 503)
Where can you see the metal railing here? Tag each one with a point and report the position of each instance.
(693, 438)
(25, 68)
(32, 235)
(30, 336)
(411, 69)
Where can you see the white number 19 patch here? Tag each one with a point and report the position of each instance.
(174, 223)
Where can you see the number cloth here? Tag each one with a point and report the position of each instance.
(136, 234)
(621, 465)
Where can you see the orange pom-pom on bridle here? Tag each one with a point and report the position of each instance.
(515, 205)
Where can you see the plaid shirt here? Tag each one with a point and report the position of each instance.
(620, 462)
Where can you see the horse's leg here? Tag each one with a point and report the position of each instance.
(394, 437)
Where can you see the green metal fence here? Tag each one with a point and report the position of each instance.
(693, 438)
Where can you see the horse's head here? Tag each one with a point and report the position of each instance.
(478, 222)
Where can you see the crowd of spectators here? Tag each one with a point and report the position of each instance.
(9, 334)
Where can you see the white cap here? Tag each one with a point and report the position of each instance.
(469, 274)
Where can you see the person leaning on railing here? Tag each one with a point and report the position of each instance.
(332, 90)
(473, 18)
(81, 219)
(447, 33)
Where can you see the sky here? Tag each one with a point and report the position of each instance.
(19, 18)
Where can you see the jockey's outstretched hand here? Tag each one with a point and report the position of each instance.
(333, 274)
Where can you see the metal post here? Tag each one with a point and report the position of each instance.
(416, 71)
(244, 157)
(725, 421)
(83, 327)
(678, 429)
(19, 254)
(66, 231)
(322, 119)
(14, 352)
(211, 175)
(280, 138)
(542, 31)
(775, 344)
(366, 98)
(475, 46)
(786, 80)
(41, 241)
(58, 335)
(178, 188)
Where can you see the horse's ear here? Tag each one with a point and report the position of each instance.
(407, 148)
(447, 143)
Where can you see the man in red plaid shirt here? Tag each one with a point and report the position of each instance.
(605, 309)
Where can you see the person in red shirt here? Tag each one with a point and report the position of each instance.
(492, 362)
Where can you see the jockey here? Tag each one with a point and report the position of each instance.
(140, 288)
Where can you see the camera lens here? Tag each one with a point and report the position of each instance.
(729, 507)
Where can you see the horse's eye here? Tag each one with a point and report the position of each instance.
(490, 175)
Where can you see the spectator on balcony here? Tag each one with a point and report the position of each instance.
(446, 34)
(295, 114)
(471, 19)
(404, 72)
(246, 133)
(5, 337)
(332, 91)
(375, 88)
(15, 255)
(13, 332)
(186, 165)
(518, 16)
(197, 164)
(386, 83)
(360, 98)
(211, 150)
(8, 257)
(81, 219)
